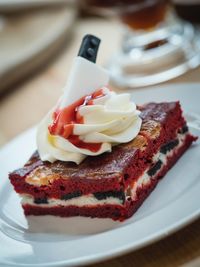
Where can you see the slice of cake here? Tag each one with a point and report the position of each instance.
(98, 154)
(113, 184)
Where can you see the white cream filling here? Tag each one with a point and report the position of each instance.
(86, 200)
(145, 178)
(91, 200)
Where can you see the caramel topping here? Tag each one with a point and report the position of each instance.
(151, 129)
(138, 142)
(41, 176)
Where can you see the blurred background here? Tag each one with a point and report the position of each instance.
(144, 42)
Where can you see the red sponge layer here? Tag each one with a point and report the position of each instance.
(116, 212)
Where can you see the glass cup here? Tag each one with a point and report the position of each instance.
(156, 44)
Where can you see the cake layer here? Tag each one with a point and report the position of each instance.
(118, 197)
(108, 172)
(109, 208)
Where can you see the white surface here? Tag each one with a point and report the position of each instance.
(50, 241)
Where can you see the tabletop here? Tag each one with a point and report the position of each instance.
(24, 104)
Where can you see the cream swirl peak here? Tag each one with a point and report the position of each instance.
(89, 119)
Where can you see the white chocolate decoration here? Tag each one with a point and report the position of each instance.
(85, 77)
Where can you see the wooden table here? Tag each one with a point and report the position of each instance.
(26, 103)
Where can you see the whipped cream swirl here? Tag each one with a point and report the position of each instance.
(112, 119)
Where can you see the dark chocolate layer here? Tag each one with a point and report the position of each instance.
(184, 129)
(155, 168)
(40, 201)
(116, 194)
(71, 195)
(169, 146)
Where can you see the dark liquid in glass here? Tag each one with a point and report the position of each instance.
(137, 14)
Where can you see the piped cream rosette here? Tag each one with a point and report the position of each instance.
(113, 119)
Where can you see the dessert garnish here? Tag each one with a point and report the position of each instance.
(89, 118)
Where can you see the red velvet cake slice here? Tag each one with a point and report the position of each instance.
(113, 184)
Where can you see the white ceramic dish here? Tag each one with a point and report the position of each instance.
(50, 241)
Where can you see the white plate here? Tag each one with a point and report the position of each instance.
(50, 241)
